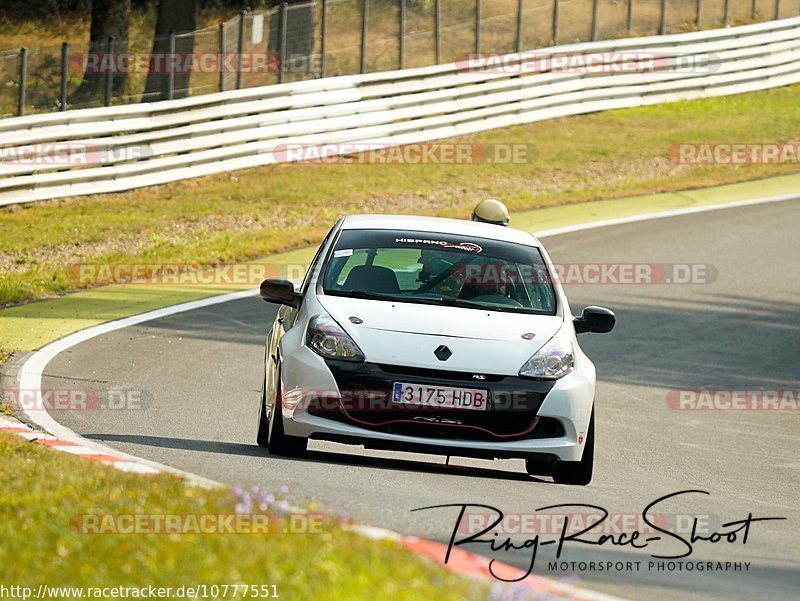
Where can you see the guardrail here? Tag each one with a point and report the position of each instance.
(111, 149)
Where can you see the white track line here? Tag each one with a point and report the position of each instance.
(30, 378)
(568, 229)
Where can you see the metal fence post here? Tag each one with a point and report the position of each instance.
(777, 9)
(437, 10)
(726, 17)
(630, 16)
(222, 63)
(64, 75)
(477, 26)
(518, 44)
(323, 38)
(240, 48)
(699, 12)
(594, 19)
(284, 21)
(402, 49)
(23, 80)
(555, 22)
(170, 65)
(754, 10)
(109, 76)
(662, 28)
(364, 20)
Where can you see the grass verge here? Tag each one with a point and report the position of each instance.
(46, 539)
(257, 212)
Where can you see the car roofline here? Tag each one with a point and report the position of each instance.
(441, 225)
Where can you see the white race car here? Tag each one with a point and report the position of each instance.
(435, 336)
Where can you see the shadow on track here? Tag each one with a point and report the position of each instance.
(329, 457)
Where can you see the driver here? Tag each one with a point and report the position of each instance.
(484, 278)
(487, 211)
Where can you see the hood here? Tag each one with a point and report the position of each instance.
(395, 333)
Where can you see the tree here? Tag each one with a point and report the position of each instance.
(178, 16)
(110, 19)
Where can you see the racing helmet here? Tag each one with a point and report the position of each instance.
(491, 211)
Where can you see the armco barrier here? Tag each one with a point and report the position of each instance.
(131, 146)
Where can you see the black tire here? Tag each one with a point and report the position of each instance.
(262, 438)
(578, 472)
(270, 430)
(539, 467)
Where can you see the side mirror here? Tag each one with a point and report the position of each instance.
(280, 291)
(595, 319)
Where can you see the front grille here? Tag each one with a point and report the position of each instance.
(441, 374)
(366, 402)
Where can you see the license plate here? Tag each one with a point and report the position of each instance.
(440, 396)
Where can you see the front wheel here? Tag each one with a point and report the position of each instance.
(270, 429)
(539, 467)
(262, 437)
(578, 472)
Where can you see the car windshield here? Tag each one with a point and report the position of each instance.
(440, 269)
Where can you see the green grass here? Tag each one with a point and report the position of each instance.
(257, 212)
(44, 493)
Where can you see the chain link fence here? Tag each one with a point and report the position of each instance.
(323, 38)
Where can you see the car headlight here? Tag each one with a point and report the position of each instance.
(327, 338)
(553, 361)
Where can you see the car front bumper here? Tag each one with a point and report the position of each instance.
(351, 403)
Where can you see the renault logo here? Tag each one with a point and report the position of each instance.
(443, 353)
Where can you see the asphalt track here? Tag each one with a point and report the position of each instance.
(200, 375)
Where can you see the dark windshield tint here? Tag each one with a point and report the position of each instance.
(434, 268)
